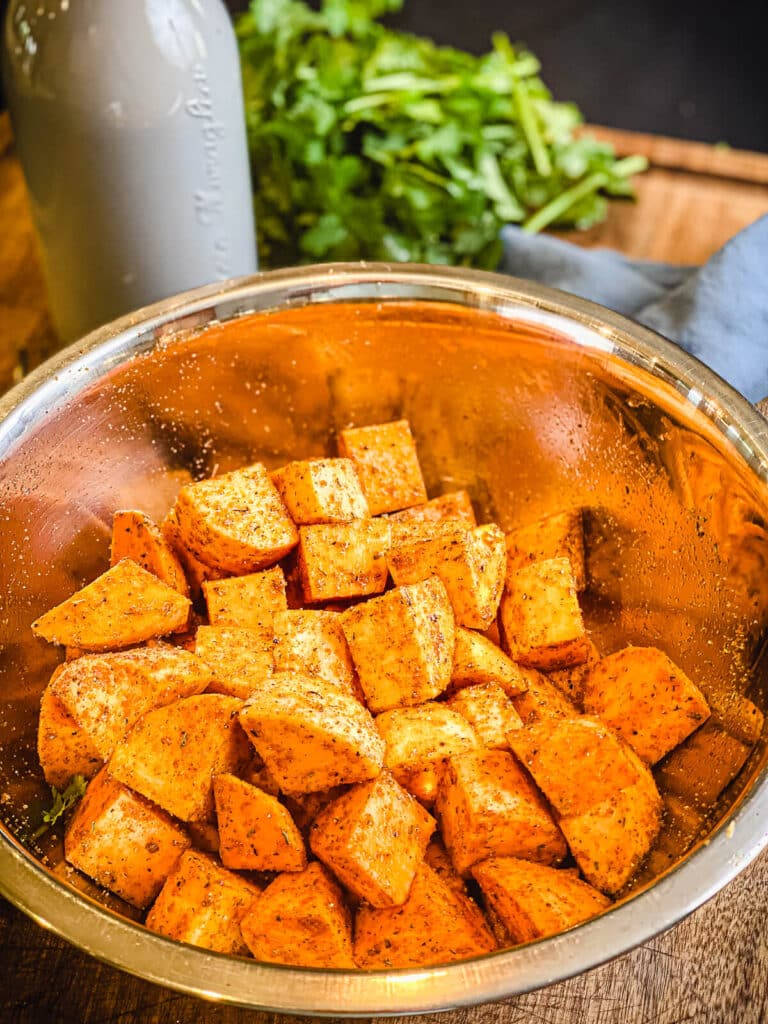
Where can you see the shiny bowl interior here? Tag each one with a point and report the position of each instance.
(530, 399)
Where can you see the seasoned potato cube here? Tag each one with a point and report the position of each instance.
(171, 754)
(107, 693)
(701, 767)
(239, 659)
(542, 700)
(534, 900)
(477, 660)
(203, 904)
(136, 536)
(340, 560)
(436, 925)
(301, 919)
(576, 762)
(195, 571)
(387, 464)
(489, 711)
(373, 838)
(487, 806)
(571, 681)
(122, 607)
(249, 601)
(236, 522)
(541, 622)
(646, 698)
(313, 642)
(122, 841)
(556, 536)
(452, 506)
(310, 734)
(256, 832)
(423, 737)
(610, 841)
(402, 644)
(321, 491)
(63, 747)
(470, 562)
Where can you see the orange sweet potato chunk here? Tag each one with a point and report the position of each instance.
(256, 832)
(560, 535)
(136, 536)
(313, 642)
(423, 737)
(341, 560)
(456, 505)
(250, 601)
(301, 919)
(63, 747)
(542, 700)
(534, 900)
(321, 491)
(476, 659)
(489, 711)
(238, 659)
(386, 461)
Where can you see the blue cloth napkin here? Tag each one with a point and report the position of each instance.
(718, 312)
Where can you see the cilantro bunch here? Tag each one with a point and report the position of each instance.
(370, 143)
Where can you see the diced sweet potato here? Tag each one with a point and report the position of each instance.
(235, 522)
(701, 767)
(541, 622)
(124, 606)
(487, 806)
(256, 832)
(313, 642)
(321, 491)
(63, 747)
(477, 660)
(136, 536)
(340, 560)
(542, 700)
(571, 681)
(470, 562)
(435, 925)
(122, 841)
(310, 734)
(373, 838)
(534, 900)
(301, 919)
(423, 737)
(560, 535)
(402, 644)
(646, 698)
(239, 659)
(203, 904)
(387, 464)
(576, 762)
(250, 601)
(107, 693)
(451, 506)
(172, 753)
(195, 571)
(489, 711)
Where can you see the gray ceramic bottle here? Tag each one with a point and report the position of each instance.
(128, 119)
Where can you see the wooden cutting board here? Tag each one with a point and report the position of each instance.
(713, 967)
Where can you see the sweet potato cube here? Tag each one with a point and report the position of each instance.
(646, 698)
(610, 841)
(235, 522)
(436, 925)
(387, 464)
(572, 681)
(543, 699)
(340, 560)
(541, 622)
(136, 536)
(489, 711)
(63, 747)
(171, 754)
(239, 659)
(576, 762)
(256, 832)
(301, 919)
(555, 536)
(423, 737)
(203, 903)
(124, 606)
(534, 900)
(313, 642)
(249, 601)
(456, 505)
(196, 572)
(477, 660)
(122, 841)
(310, 734)
(373, 838)
(107, 693)
(402, 644)
(487, 806)
(701, 767)
(470, 562)
(321, 491)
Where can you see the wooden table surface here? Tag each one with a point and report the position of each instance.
(711, 968)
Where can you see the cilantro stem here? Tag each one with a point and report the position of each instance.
(527, 115)
(556, 207)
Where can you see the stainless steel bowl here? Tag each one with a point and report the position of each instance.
(528, 397)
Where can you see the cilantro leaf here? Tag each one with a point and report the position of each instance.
(62, 802)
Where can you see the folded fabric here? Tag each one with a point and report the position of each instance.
(718, 312)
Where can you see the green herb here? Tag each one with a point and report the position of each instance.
(62, 802)
(369, 143)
